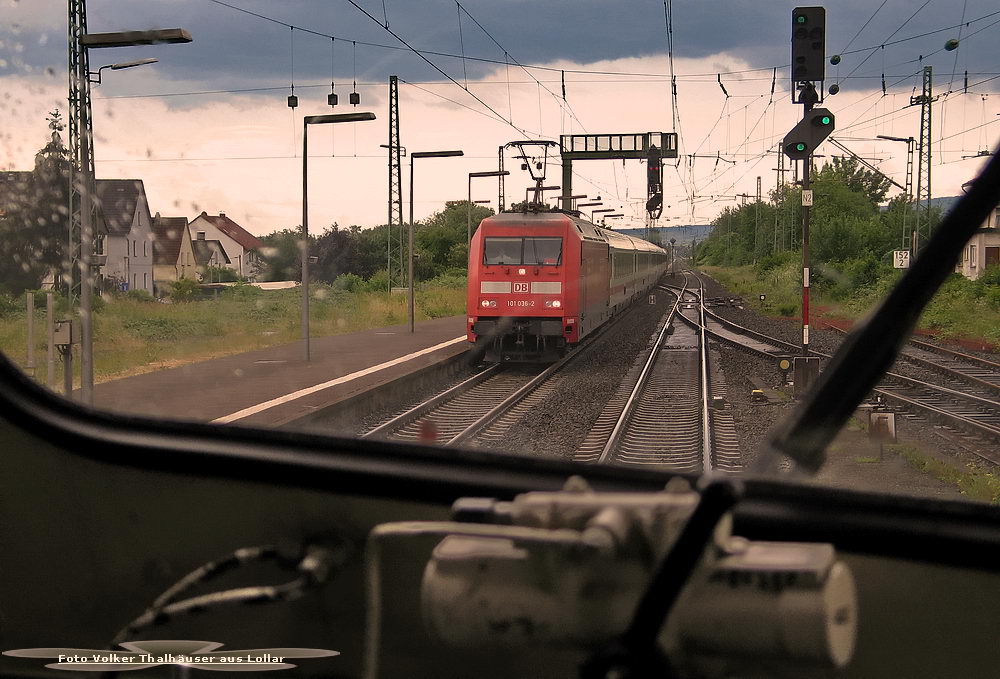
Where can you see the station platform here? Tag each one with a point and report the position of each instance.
(273, 386)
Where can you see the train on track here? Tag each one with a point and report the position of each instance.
(540, 282)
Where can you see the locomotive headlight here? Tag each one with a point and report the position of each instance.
(488, 303)
(553, 304)
(522, 272)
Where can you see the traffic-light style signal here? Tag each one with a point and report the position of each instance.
(808, 44)
(654, 182)
(809, 133)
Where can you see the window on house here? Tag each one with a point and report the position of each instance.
(145, 281)
(144, 248)
(135, 281)
(972, 255)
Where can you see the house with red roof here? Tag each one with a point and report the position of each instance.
(241, 247)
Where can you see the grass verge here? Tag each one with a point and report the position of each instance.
(133, 337)
(976, 484)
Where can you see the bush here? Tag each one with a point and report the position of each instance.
(184, 290)
(219, 274)
(993, 297)
(242, 290)
(378, 281)
(139, 296)
(349, 282)
(453, 278)
(787, 310)
(9, 305)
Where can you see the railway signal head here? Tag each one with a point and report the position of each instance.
(808, 44)
(815, 126)
(654, 182)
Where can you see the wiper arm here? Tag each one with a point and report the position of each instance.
(871, 348)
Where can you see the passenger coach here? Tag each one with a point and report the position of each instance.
(541, 282)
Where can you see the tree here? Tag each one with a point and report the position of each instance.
(850, 173)
(34, 216)
(336, 253)
(282, 253)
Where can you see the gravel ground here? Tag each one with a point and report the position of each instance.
(853, 461)
(560, 423)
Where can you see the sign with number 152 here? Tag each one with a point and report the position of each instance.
(901, 259)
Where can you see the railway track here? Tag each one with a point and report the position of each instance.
(974, 416)
(485, 405)
(979, 374)
(662, 413)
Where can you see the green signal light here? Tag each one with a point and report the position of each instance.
(825, 120)
(800, 19)
(800, 147)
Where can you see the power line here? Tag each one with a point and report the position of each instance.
(585, 71)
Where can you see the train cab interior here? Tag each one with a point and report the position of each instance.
(412, 561)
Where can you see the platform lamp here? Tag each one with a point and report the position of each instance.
(594, 212)
(409, 252)
(306, 122)
(468, 217)
(84, 123)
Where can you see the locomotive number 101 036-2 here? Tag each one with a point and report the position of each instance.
(520, 302)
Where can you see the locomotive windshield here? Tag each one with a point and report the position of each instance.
(532, 251)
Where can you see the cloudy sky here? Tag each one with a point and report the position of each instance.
(207, 127)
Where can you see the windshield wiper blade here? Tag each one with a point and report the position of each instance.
(870, 349)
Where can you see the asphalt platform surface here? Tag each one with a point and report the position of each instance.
(272, 386)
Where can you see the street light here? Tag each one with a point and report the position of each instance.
(306, 122)
(84, 124)
(409, 253)
(118, 67)
(468, 216)
(594, 212)
(133, 38)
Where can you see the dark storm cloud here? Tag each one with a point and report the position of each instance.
(233, 50)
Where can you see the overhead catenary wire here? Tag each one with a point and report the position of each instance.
(584, 71)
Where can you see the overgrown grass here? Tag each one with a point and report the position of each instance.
(976, 484)
(133, 336)
(961, 309)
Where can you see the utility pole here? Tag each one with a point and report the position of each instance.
(394, 239)
(756, 222)
(81, 153)
(923, 197)
(777, 196)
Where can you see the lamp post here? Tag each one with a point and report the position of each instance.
(84, 122)
(409, 252)
(306, 122)
(468, 219)
(594, 212)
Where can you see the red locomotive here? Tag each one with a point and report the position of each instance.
(539, 282)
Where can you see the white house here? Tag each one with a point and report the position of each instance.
(173, 253)
(983, 249)
(241, 247)
(129, 243)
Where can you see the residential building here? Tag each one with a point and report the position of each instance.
(173, 253)
(209, 253)
(241, 247)
(983, 249)
(129, 243)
